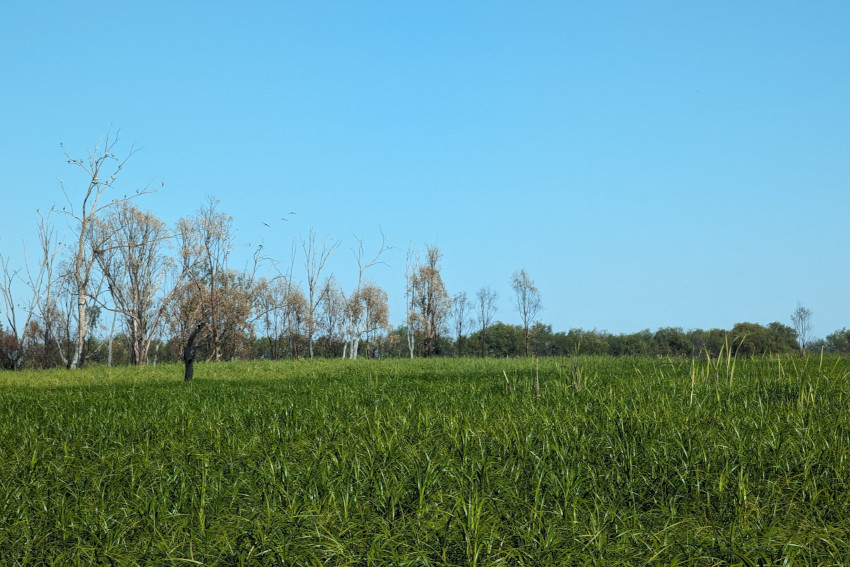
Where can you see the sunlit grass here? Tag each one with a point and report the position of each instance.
(429, 462)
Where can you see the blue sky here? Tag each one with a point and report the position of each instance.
(649, 164)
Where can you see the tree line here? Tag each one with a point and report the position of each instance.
(127, 288)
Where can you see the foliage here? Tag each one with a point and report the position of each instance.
(838, 341)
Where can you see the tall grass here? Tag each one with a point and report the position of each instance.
(429, 462)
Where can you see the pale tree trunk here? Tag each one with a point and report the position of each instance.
(89, 211)
(82, 329)
(62, 356)
(82, 291)
(412, 261)
(111, 338)
(359, 321)
(315, 257)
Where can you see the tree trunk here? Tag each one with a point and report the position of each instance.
(77, 361)
(189, 353)
(526, 341)
(111, 338)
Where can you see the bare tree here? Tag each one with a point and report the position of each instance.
(409, 297)
(130, 248)
(430, 300)
(357, 318)
(526, 301)
(236, 315)
(208, 240)
(295, 314)
(801, 318)
(486, 310)
(281, 307)
(66, 305)
(13, 341)
(41, 283)
(316, 255)
(369, 306)
(461, 317)
(268, 299)
(101, 168)
(332, 313)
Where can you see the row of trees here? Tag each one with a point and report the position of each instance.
(128, 288)
(502, 340)
(150, 287)
(126, 283)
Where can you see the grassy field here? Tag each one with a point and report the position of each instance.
(429, 462)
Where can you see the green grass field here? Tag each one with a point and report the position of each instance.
(429, 462)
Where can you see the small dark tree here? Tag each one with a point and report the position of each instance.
(189, 353)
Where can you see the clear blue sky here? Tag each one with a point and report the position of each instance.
(648, 163)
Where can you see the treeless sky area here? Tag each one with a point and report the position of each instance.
(649, 164)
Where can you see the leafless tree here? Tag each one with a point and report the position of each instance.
(357, 318)
(526, 301)
(282, 307)
(208, 241)
(13, 342)
(35, 309)
(296, 308)
(461, 317)
(66, 310)
(485, 311)
(409, 300)
(332, 312)
(268, 300)
(101, 168)
(368, 306)
(276, 300)
(236, 315)
(43, 282)
(801, 318)
(316, 255)
(130, 248)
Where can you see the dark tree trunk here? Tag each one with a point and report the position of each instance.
(189, 353)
